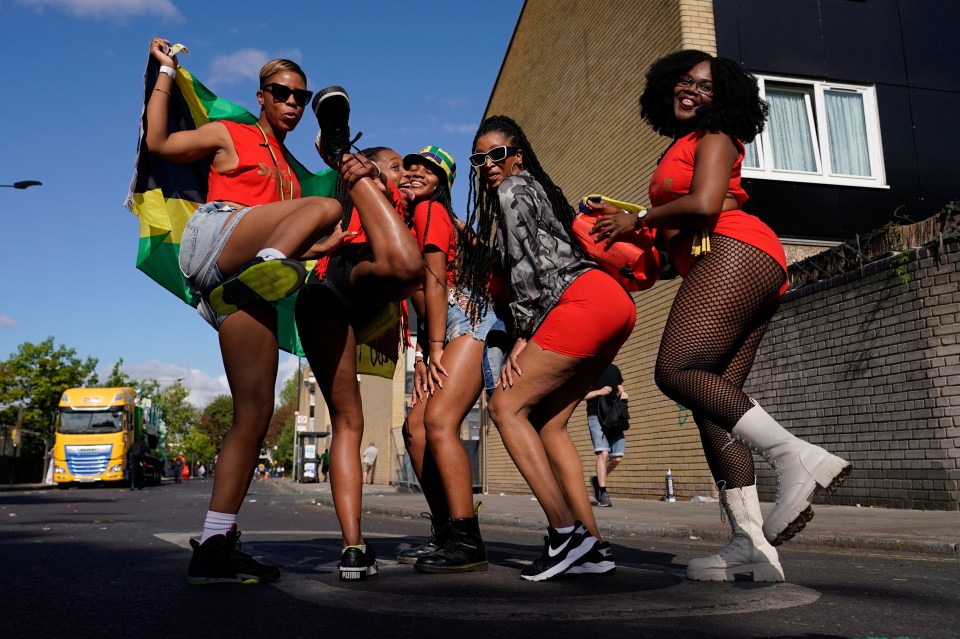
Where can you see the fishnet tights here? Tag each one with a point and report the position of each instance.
(711, 337)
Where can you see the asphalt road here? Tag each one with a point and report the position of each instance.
(96, 562)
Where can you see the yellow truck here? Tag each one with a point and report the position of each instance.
(96, 429)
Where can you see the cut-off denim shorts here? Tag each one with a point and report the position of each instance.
(459, 323)
(612, 441)
(202, 243)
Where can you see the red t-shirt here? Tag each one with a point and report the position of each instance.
(438, 232)
(258, 179)
(672, 179)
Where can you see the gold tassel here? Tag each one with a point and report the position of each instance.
(701, 242)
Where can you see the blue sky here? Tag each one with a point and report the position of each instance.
(417, 73)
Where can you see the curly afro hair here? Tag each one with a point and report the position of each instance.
(736, 108)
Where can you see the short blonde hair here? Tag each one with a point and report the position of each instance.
(279, 66)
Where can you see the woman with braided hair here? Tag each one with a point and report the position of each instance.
(734, 272)
(562, 343)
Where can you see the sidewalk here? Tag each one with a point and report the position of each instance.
(924, 531)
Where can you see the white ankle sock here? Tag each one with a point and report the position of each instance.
(271, 254)
(565, 530)
(217, 524)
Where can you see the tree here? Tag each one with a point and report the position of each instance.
(283, 451)
(117, 378)
(197, 446)
(179, 415)
(283, 426)
(35, 377)
(284, 413)
(216, 419)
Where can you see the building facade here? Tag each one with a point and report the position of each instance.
(854, 89)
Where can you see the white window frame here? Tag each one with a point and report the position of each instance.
(816, 114)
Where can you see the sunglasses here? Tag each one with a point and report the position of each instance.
(282, 93)
(496, 154)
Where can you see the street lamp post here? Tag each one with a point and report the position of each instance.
(23, 184)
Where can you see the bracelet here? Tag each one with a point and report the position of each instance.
(162, 91)
(436, 341)
(418, 356)
(168, 70)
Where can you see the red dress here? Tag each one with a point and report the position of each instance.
(672, 179)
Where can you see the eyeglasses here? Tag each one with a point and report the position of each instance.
(496, 154)
(282, 93)
(703, 88)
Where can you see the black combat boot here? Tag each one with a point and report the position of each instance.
(438, 536)
(463, 551)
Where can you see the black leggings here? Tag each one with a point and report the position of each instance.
(709, 343)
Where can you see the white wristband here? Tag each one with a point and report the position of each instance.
(168, 70)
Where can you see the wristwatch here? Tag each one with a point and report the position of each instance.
(641, 214)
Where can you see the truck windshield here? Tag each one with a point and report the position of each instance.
(90, 422)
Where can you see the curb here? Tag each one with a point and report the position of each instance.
(614, 529)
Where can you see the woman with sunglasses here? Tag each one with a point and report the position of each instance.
(377, 266)
(449, 379)
(234, 252)
(562, 343)
(734, 272)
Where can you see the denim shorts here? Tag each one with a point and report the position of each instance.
(460, 323)
(202, 243)
(611, 441)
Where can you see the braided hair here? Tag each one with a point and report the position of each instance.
(736, 108)
(484, 213)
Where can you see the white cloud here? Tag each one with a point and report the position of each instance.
(243, 65)
(467, 129)
(7, 322)
(109, 8)
(451, 102)
(203, 387)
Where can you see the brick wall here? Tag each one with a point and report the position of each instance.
(868, 366)
(859, 364)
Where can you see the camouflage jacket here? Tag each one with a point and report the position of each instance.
(535, 251)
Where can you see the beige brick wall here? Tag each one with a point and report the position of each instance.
(382, 401)
(572, 79)
(696, 26)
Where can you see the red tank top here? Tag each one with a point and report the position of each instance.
(672, 179)
(439, 232)
(260, 178)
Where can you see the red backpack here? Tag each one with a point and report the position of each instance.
(633, 261)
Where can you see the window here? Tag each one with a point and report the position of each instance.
(818, 132)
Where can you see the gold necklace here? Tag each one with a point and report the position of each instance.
(266, 143)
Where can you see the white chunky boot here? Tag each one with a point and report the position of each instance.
(801, 468)
(749, 552)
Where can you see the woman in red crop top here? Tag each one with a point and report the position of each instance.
(734, 272)
(234, 253)
(448, 371)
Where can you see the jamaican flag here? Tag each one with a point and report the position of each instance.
(164, 195)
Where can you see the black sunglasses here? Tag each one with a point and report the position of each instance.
(282, 93)
(496, 154)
